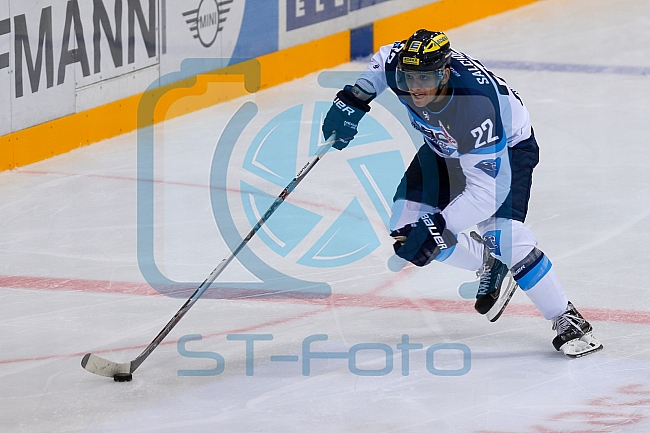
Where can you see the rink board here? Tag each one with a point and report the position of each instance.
(87, 84)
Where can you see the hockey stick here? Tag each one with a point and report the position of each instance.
(122, 372)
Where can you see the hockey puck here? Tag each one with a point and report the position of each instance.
(122, 377)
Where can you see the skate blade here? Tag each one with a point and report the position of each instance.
(585, 345)
(504, 297)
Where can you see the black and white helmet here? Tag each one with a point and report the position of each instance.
(426, 54)
(425, 51)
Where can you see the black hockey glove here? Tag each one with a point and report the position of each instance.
(343, 117)
(422, 241)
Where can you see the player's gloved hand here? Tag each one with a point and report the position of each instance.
(343, 117)
(422, 241)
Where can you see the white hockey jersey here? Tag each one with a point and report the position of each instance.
(482, 118)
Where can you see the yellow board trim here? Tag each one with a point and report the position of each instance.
(62, 135)
(438, 16)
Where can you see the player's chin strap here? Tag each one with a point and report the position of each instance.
(441, 86)
(439, 91)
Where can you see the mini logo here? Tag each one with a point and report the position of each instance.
(425, 113)
(207, 20)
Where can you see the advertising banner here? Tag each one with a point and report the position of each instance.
(45, 37)
(5, 71)
(60, 47)
(122, 50)
(60, 57)
(306, 20)
(118, 37)
(199, 29)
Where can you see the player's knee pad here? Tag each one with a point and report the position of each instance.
(507, 239)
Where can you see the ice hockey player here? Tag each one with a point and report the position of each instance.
(474, 169)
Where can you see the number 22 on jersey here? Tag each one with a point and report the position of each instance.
(477, 133)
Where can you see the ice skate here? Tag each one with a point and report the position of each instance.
(574, 334)
(493, 292)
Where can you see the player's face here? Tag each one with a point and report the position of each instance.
(419, 88)
(423, 86)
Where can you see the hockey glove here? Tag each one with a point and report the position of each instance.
(343, 117)
(422, 241)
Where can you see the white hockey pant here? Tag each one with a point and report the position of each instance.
(508, 240)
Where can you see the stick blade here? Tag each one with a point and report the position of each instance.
(103, 367)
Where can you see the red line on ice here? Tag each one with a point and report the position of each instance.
(368, 300)
(76, 285)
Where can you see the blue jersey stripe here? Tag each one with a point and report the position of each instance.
(494, 149)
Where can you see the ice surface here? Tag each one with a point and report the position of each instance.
(73, 263)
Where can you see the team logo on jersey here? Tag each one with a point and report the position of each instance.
(207, 20)
(437, 138)
(492, 240)
(442, 147)
(452, 142)
(425, 114)
(490, 166)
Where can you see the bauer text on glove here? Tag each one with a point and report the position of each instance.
(344, 116)
(422, 241)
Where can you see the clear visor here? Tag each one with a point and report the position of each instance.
(414, 80)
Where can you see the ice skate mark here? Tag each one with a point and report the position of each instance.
(626, 406)
(604, 239)
(77, 285)
(314, 204)
(170, 342)
(568, 67)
